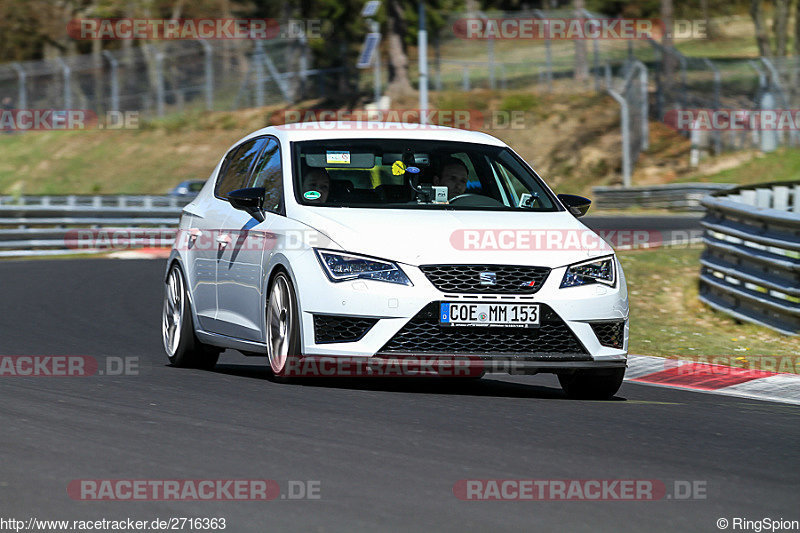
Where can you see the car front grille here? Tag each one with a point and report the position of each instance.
(335, 328)
(553, 339)
(486, 279)
(610, 333)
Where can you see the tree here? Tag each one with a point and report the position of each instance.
(762, 39)
(780, 26)
(668, 59)
(797, 30)
(396, 31)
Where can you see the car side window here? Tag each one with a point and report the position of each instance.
(268, 173)
(237, 167)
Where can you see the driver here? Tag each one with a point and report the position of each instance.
(317, 179)
(453, 175)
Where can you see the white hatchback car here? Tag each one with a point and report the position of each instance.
(386, 243)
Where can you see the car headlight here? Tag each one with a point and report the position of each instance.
(595, 271)
(342, 266)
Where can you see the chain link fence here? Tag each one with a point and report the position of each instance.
(672, 82)
(745, 86)
(617, 67)
(175, 76)
(545, 64)
(169, 77)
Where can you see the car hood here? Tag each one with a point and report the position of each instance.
(418, 237)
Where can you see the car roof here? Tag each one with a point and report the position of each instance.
(313, 131)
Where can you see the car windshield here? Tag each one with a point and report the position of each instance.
(398, 173)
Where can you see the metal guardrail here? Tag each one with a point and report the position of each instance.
(751, 264)
(96, 201)
(679, 197)
(55, 225)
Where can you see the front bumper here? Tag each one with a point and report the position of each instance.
(391, 309)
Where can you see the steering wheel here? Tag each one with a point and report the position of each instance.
(475, 200)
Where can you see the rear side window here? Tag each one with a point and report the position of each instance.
(237, 167)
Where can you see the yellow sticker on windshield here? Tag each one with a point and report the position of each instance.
(398, 168)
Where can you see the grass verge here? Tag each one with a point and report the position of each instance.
(668, 320)
(781, 165)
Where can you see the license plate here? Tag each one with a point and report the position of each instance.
(502, 315)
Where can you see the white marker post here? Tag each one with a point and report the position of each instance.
(422, 46)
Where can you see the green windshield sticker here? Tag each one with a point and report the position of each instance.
(312, 195)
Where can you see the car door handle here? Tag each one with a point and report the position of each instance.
(194, 233)
(223, 240)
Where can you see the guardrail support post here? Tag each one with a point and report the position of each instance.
(780, 198)
(763, 197)
(796, 199)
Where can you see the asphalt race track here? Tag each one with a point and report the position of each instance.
(386, 454)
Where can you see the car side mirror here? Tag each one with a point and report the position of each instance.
(577, 205)
(250, 200)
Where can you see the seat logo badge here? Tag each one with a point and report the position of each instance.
(488, 278)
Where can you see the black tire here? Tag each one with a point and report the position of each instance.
(592, 384)
(282, 328)
(185, 351)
